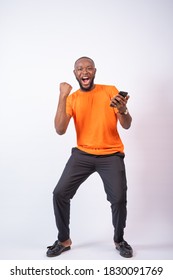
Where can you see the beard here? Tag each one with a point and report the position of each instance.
(90, 86)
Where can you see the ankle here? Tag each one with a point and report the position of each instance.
(66, 243)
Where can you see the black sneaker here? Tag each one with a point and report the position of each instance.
(125, 249)
(56, 249)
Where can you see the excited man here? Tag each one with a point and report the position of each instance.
(96, 109)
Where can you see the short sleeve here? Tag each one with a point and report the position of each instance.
(69, 110)
(114, 91)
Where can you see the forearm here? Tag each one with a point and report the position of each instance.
(61, 118)
(125, 120)
(119, 102)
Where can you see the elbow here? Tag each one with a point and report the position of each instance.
(61, 126)
(127, 126)
(60, 131)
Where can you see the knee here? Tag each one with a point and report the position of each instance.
(64, 191)
(118, 199)
(58, 193)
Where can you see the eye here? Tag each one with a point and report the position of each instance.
(89, 68)
(79, 69)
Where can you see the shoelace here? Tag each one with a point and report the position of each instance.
(54, 245)
(123, 243)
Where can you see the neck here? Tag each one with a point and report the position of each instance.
(87, 89)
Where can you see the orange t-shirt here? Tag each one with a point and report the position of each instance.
(95, 121)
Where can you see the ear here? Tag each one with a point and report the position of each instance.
(74, 72)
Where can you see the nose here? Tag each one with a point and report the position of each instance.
(85, 70)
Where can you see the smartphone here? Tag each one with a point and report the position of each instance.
(123, 93)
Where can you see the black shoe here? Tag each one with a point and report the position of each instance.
(125, 249)
(56, 249)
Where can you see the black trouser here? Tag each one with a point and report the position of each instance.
(78, 168)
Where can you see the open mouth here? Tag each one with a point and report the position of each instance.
(85, 81)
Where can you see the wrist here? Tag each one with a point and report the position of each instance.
(62, 96)
(125, 112)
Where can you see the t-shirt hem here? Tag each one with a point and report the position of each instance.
(98, 151)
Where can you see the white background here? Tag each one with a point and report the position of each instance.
(131, 43)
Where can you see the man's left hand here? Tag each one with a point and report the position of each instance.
(119, 102)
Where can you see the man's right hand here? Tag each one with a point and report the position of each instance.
(65, 89)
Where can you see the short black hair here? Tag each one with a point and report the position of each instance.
(84, 57)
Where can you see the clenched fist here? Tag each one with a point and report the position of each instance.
(65, 89)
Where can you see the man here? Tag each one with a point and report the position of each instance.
(96, 110)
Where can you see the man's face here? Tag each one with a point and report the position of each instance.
(85, 73)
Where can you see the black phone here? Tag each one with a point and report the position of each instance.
(123, 93)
